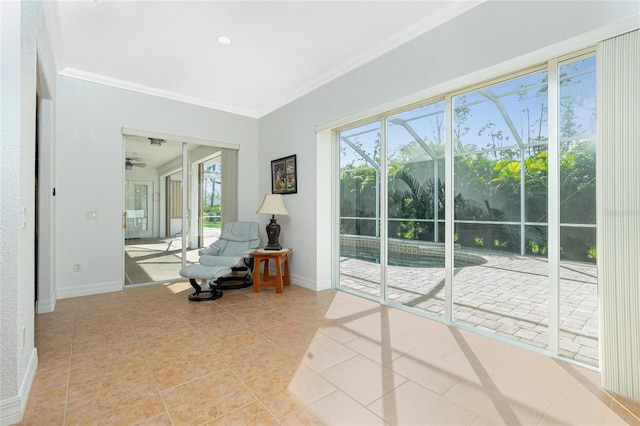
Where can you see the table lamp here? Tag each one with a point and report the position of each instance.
(273, 205)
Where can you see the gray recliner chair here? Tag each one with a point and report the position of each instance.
(225, 264)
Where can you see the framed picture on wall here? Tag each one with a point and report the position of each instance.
(284, 175)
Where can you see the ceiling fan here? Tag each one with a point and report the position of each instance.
(130, 163)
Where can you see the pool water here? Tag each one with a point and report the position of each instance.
(412, 260)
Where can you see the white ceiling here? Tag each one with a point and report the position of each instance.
(280, 50)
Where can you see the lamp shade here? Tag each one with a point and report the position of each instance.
(273, 204)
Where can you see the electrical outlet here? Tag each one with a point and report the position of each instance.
(77, 267)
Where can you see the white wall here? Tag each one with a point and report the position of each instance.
(23, 38)
(89, 163)
(489, 40)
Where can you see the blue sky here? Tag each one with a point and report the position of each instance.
(524, 103)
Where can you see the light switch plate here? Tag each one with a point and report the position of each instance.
(91, 214)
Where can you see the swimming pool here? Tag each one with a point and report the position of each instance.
(408, 253)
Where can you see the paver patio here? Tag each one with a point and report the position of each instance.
(507, 295)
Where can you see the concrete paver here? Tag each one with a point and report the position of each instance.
(508, 295)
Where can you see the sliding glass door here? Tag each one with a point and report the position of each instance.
(479, 209)
(172, 205)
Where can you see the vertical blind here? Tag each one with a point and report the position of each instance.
(175, 198)
(229, 193)
(619, 213)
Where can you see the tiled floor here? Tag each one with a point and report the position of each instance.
(148, 356)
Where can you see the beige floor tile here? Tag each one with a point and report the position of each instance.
(302, 417)
(130, 402)
(232, 338)
(324, 353)
(254, 360)
(201, 314)
(375, 325)
(104, 357)
(338, 408)
(264, 319)
(285, 334)
(632, 406)
(101, 344)
(337, 331)
(54, 324)
(231, 298)
(375, 379)
(206, 398)
(625, 409)
(556, 416)
(432, 369)
(618, 417)
(55, 347)
(252, 414)
(107, 326)
(162, 419)
(218, 319)
(289, 388)
(245, 306)
(113, 370)
(51, 374)
(165, 344)
(160, 325)
(311, 316)
(307, 386)
(183, 364)
(46, 407)
(566, 386)
(431, 336)
(382, 349)
(411, 404)
(481, 421)
(496, 405)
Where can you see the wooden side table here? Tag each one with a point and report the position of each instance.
(262, 257)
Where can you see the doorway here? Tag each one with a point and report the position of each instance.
(169, 185)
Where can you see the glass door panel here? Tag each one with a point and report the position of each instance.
(359, 266)
(500, 282)
(155, 255)
(138, 208)
(415, 161)
(210, 200)
(578, 273)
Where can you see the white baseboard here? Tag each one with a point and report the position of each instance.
(303, 282)
(89, 289)
(12, 409)
(45, 306)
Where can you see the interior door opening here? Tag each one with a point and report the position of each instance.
(173, 194)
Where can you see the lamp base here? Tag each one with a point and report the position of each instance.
(273, 232)
(270, 247)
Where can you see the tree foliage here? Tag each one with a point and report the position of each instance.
(487, 190)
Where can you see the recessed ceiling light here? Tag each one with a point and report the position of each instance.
(224, 40)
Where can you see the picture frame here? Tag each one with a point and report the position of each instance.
(284, 175)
